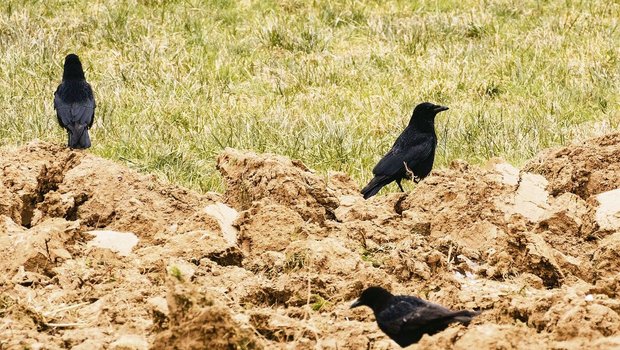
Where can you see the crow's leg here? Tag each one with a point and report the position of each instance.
(410, 174)
(399, 185)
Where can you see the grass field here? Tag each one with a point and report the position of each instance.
(329, 82)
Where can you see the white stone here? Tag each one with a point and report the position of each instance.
(241, 318)
(509, 173)
(348, 200)
(608, 212)
(120, 242)
(159, 304)
(531, 199)
(225, 216)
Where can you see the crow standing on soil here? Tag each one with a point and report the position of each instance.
(406, 319)
(74, 103)
(412, 154)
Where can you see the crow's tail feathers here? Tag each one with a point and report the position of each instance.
(78, 136)
(374, 186)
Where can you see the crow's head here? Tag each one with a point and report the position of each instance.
(73, 68)
(424, 114)
(374, 297)
(427, 110)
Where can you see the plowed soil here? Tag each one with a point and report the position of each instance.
(98, 256)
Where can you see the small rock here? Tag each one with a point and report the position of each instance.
(509, 174)
(159, 312)
(241, 318)
(348, 200)
(158, 304)
(608, 213)
(225, 216)
(119, 242)
(531, 199)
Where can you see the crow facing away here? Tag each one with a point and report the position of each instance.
(412, 154)
(406, 319)
(74, 103)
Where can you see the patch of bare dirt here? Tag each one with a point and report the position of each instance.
(197, 319)
(99, 256)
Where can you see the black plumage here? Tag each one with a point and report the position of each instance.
(74, 103)
(413, 153)
(406, 319)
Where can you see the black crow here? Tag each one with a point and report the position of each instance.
(406, 319)
(74, 103)
(412, 154)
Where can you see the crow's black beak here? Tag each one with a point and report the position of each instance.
(356, 303)
(440, 109)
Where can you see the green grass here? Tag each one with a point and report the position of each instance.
(329, 82)
(175, 272)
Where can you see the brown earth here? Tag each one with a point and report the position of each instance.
(275, 261)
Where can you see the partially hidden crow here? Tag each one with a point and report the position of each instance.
(74, 103)
(406, 319)
(412, 154)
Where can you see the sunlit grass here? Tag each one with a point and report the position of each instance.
(329, 82)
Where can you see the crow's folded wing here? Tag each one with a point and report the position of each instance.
(78, 112)
(392, 163)
(392, 318)
(427, 315)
